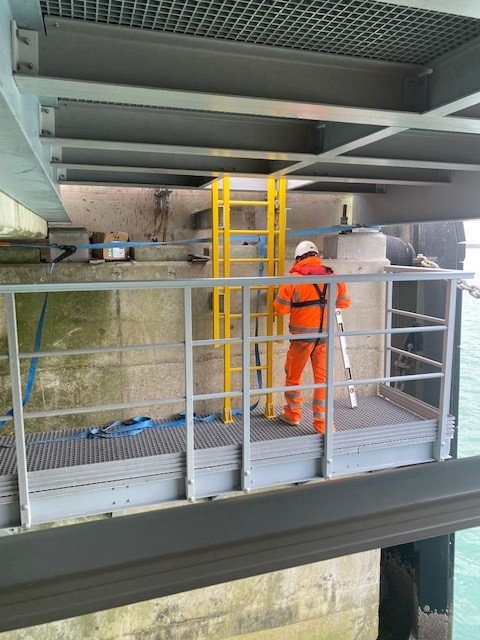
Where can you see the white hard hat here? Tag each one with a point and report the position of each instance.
(305, 247)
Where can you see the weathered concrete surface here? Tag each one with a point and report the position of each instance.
(16, 221)
(331, 600)
(133, 210)
(100, 319)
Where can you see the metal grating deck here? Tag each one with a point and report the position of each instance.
(372, 413)
(360, 28)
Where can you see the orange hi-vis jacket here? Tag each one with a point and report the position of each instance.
(306, 303)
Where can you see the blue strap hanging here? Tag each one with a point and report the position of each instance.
(32, 371)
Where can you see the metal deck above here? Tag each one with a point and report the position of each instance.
(70, 478)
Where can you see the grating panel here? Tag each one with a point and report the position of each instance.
(360, 28)
(372, 413)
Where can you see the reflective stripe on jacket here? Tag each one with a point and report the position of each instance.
(308, 318)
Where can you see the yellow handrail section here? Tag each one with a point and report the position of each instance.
(226, 306)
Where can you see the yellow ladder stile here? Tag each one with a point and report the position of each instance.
(215, 261)
(222, 262)
(227, 364)
(281, 229)
(269, 408)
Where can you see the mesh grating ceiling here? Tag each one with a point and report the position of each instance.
(360, 28)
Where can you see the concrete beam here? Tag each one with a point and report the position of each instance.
(25, 174)
(124, 560)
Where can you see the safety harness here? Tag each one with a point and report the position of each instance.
(321, 301)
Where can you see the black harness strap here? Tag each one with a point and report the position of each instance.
(321, 302)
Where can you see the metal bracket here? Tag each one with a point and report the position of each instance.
(47, 121)
(24, 51)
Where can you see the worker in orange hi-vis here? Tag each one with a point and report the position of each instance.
(306, 304)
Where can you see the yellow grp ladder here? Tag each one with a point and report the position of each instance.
(222, 263)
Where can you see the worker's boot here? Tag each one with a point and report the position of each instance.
(319, 426)
(293, 421)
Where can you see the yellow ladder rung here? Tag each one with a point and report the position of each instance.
(247, 203)
(260, 314)
(254, 368)
(258, 287)
(248, 232)
(245, 260)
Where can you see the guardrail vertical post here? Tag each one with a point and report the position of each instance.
(440, 447)
(327, 463)
(388, 326)
(17, 404)
(189, 420)
(246, 468)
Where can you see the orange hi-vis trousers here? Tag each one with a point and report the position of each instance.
(299, 352)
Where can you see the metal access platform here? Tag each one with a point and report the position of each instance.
(49, 476)
(73, 477)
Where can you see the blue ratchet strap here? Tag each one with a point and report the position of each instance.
(32, 371)
(118, 429)
(342, 228)
(261, 268)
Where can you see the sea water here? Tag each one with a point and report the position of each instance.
(466, 608)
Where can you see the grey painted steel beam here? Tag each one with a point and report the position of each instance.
(104, 172)
(188, 128)
(112, 64)
(173, 149)
(113, 55)
(454, 80)
(24, 163)
(379, 172)
(454, 148)
(467, 8)
(74, 89)
(230, 155)
(459, 201)
(139, 557)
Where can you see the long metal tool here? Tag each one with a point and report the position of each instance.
(352, 394)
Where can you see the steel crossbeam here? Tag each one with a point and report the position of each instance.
(176, 550)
